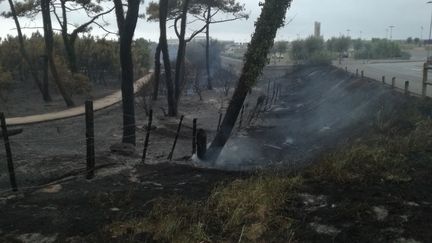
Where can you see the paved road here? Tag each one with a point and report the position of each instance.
(99, 104)
(403, 71)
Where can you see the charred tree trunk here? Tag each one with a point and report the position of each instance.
(157, 72)
(163, 14)
(45, 80)
(68, 43)
(209, 77)
(181, 53)
(49, 49)
(271, 19)
(45, 92)
(126, 26)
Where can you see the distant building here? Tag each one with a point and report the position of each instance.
(317, 30)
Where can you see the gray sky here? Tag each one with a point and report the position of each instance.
(368, 18)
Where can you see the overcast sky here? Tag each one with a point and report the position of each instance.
(365, 18)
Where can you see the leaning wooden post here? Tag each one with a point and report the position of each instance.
(219, 122)
(241, 116)
(362, 74)
(407, 87)
(268, 93)
(201, 144)
(170, 156)
(393, 84)
(194, 135)
(425, 79)
(357, 72)
(89, 117)
(8, 153)
(383, 79)
(147, 138)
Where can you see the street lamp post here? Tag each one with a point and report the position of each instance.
(391, 31)
(430, 35)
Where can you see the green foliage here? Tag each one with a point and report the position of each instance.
(339, 45)
(380, 49)
(141, 57)
(409, 40)
(198, 7)
(98, 59)
(74, 83)
(310, 51)
(5, 82)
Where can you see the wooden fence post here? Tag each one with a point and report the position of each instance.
(201, 144)
(219, 122)
(89, 117)
(362, 74)
(241, 116)
(357, 72)
(268, 93)
(170, 156)
(147, 138)
(407, 87)
(393, 84)
(425, 79)
(8, 153)
(194, 135)
(383, 79)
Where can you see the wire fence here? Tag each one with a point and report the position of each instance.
(63, 150)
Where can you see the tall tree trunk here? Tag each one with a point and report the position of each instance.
(68, 43)
(45, 92)
(157, 72)
(126, 28)
(45, 80)
(271, 19)
(209, 76)
(163, 13)
(49, 48)
(181, 53)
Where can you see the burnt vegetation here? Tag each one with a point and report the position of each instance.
(195, 139)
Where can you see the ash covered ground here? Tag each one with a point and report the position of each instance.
(319, 109)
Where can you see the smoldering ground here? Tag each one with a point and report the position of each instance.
(319, 109)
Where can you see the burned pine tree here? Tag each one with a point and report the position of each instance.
(177, 11)
(69, 39)
(126, 26)
(211, 8)
(49, 51)
(271, 19)
(43, 87)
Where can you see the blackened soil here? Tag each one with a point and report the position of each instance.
(81, 207)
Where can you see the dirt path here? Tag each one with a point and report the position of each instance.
(98, 104)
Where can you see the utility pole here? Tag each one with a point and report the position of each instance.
(430, 34)
(421, 34)
(391, 31)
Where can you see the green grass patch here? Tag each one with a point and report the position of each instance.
(244, 209)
